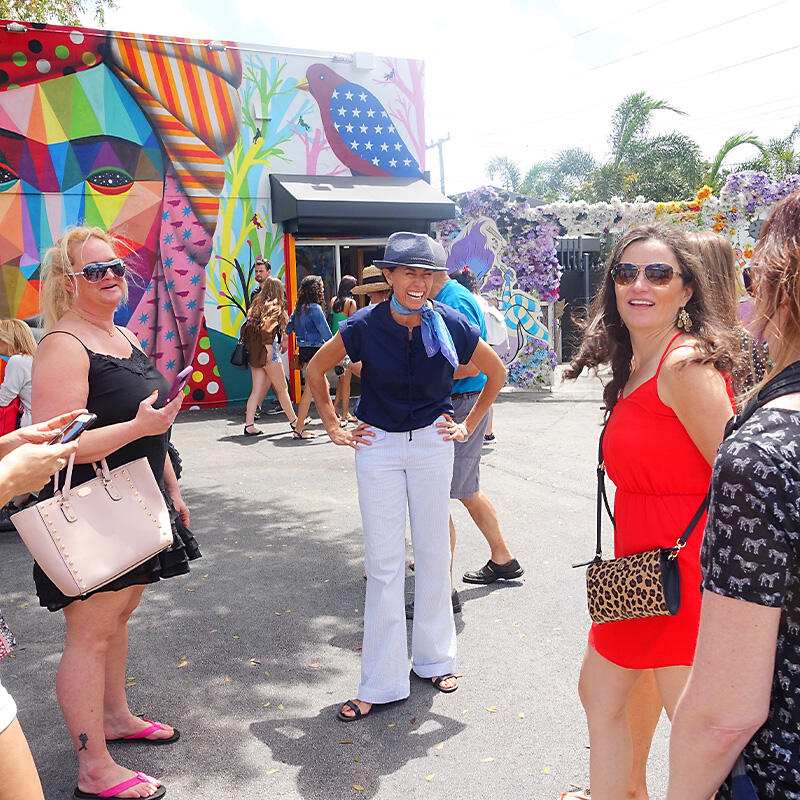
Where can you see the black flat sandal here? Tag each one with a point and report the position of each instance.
(357, 712)
(437, 682)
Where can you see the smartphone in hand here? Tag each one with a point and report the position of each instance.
(74, 429)
(178, 384)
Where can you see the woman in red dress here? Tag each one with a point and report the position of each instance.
(668, 403)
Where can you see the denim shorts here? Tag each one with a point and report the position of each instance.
(467, 461)
(8, 708)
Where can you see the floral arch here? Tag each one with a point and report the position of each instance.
(511, 245)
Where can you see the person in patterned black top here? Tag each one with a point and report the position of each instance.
(743, 695)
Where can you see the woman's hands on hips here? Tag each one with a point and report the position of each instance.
(151, 421)
(354, 438)
(452, 430)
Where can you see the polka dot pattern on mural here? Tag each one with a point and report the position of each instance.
(26, 57)
(205, 389)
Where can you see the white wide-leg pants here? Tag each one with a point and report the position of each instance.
(396, 471)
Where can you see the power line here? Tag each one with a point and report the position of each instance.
(686, 36)
(617, 19)
(582, 110)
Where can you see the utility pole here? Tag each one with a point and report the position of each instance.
(438, 144)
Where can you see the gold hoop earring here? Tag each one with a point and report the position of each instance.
(684, 320)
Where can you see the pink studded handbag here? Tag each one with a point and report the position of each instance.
(85, 536)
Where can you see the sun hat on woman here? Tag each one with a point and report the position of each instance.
(405, 249)
(372, 280)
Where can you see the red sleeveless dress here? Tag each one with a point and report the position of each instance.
(661, 478)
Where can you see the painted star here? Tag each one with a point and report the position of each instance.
(354, 144)
(376, 161)
(392, 162)
(379, 129)
(348, 96)
(356, 113)
(368, 145)
(171, 363)
(348, 128)
(363, 128)
(342, 110)
(384, 147)
(370, 113)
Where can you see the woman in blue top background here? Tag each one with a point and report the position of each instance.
(410, 349)
(311, 330)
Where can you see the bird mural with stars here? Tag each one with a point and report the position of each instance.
(358, 127)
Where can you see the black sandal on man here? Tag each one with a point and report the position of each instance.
(491, 572)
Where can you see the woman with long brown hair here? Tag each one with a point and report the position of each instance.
(738, 719)
(727, 288)
(263, 329)
(311, 330)
(667, 404)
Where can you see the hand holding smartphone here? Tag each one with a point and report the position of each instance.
(178, 384)
(74, 429)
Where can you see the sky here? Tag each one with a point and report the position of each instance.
(528, 79)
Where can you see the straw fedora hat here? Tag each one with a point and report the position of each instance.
(372, 281)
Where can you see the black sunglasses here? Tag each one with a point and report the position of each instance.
(657, 274)
(94, 273)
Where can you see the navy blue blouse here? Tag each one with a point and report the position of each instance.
(401, 388)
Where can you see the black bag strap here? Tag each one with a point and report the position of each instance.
(787, 381)
(602, 500)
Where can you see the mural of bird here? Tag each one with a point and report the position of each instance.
(358, 128)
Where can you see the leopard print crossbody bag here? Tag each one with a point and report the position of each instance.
(644, 584)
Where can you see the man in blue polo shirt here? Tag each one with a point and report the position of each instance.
(465, 485)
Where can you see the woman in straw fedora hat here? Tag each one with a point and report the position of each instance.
(410, 349)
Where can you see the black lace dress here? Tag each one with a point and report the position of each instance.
(116, 387)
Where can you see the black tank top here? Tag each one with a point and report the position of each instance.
(116, 387)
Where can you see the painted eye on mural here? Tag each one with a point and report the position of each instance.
(7, 176)
(110, 181)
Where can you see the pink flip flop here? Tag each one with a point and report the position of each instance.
(114, 791)
(141, 736)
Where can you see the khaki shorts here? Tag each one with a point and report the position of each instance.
(467, 462)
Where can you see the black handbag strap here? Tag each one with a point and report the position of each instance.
(785, 382)
(602, 500)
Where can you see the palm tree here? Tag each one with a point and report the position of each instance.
(508, 170)
(715, 178)
(560, 177)
(778, 157)
(630, 124)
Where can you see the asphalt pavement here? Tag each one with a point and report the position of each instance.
(251, 655)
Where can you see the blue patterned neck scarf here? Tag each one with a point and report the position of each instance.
(435, 335)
